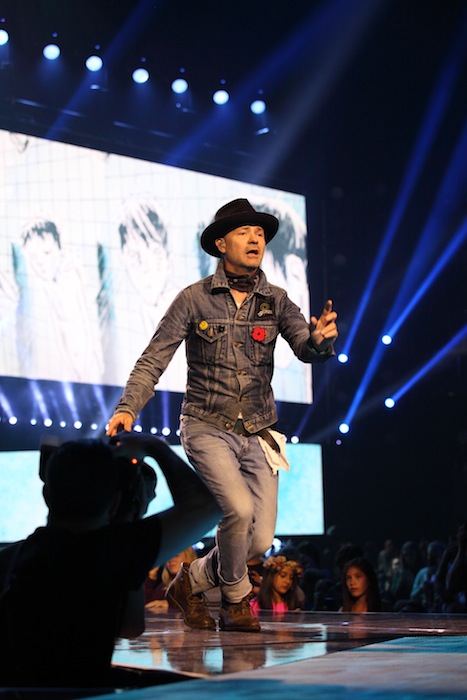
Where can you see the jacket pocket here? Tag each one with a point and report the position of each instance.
(261, 343)
(212, 342)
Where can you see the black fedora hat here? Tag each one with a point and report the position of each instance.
(239, 212)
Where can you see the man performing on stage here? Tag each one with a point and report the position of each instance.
(230, 322)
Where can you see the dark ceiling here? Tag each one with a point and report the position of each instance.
(349, 85)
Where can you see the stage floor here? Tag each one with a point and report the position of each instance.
(333, 656)
(330, 656)
(170, 645)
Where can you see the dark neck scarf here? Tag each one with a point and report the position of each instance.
(242, 283)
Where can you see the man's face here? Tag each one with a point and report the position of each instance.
(242, 248)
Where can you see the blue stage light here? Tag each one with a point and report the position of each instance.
(386, 339)
(140, 75)
(294, 439)
(221, 97)
(434, 114)
(344, 428)
(138, 429)
(179, 86)
(258, 107)
(48, 422)
(77, 425)
(51, 52)
(94, 63)
(389, 402)
(166, 432)
(459, 338)
(4, 37)
(12, 420)
(343, 358)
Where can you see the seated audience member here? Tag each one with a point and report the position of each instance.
(456, 575)
(328, 592)
(423, 596)
(59, 615)
(404, 568)
(360, 592)
(279, 590)
(159, 578)
(384, 563)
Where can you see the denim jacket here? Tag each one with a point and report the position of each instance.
(229, 352)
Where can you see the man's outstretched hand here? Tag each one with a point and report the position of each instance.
(324, 329)
(119, 422)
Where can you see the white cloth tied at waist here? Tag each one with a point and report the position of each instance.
(276, 460)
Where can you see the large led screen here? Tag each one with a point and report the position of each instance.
(95, 246)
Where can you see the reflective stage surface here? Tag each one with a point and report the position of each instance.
(170, 645)
(330, 656)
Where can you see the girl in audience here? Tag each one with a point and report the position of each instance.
(279, 590)
(159, 578)
(360, 591)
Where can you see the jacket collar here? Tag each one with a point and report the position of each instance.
(219, 282)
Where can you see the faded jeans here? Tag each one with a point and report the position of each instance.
(235, 469)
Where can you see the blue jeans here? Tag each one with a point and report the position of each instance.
(236, 471)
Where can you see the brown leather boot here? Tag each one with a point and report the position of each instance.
(192, 606)
(237, 617)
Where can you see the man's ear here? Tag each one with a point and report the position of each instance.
(220, 244)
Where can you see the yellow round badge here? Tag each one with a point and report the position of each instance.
(203, 325)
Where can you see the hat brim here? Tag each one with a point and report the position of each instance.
(220, 228)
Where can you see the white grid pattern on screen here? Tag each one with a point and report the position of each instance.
(60, 320)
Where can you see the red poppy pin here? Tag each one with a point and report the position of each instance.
(258, 334)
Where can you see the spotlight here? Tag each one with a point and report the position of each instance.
(294, 439)
(12, 420)
(389, 402)
(48, 422)
(153, 431)
(4, 37)
(63, 424)
(51, 52)
(221, 97)
(77, 424)
(166, 432)
(94, 63)
(138, 429)
(258, 107)
(343, 357)
(264, 130)
(33, 421)
(140, 75)
(386, 339)
(179, 86)
(344, 428)
(93, 426)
